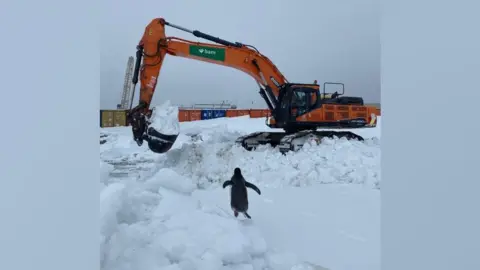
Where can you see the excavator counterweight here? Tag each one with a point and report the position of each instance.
(291, 104)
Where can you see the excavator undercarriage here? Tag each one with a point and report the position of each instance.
(290, 142)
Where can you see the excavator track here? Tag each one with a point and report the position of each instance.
(291, 142)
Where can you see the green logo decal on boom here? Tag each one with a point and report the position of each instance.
(216, 54)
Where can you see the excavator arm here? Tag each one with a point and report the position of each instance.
(155, 45)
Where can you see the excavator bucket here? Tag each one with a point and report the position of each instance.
(159, 128)
(158, 142)
(163, 128)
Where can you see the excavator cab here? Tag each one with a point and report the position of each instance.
(295, 100)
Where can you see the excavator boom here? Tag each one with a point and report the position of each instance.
(287, 101)
(154, 45)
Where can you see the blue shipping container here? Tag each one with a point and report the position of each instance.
(207, 114)
(219, 113)
(211, 114)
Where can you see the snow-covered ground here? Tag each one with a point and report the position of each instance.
(319, 206)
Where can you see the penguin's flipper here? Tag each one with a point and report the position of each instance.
(252, 186)
(227, 183)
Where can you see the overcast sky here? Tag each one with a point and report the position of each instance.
(326, 40)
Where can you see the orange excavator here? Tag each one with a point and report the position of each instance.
(293, 105)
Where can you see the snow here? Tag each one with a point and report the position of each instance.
(164, 119)
(319, 208)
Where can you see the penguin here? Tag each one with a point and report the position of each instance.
(238, 193)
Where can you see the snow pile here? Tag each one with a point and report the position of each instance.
(164, 119)
(120, 146)
(157, 224)
(211, 156)
(207, 154)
